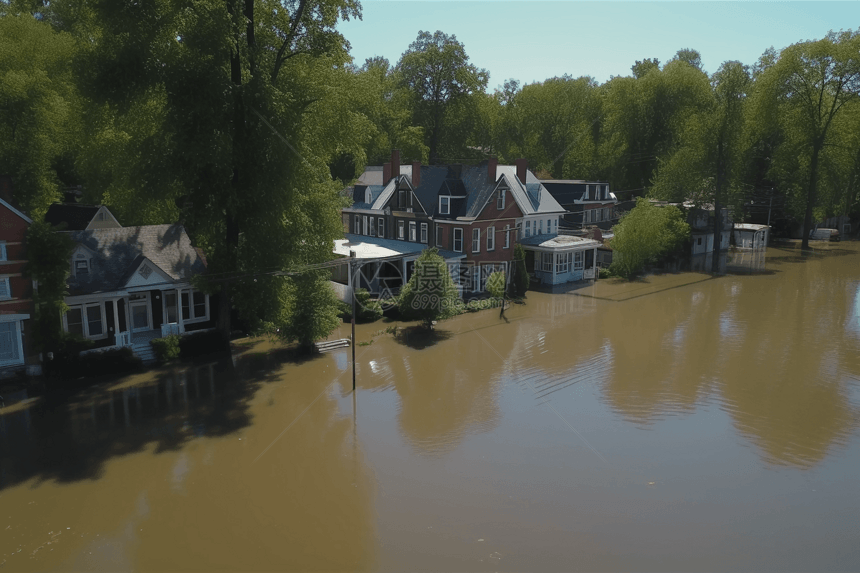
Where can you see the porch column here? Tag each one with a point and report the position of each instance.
(554, 267)
(180, 318)
(116, 323)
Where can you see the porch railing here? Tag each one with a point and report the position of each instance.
(123, 339)
(169, 329)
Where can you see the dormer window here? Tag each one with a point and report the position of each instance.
(444, 205)
(367, 197)
(500, 200)
(100, 216)
(82, 268)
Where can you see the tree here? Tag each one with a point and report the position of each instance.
(48, 256)
(38, 110)
(801, 93)
(707, 161)
(430, 293)
(647, 234)
(314, 313)
(521, 273)
(496, 284)
(228, 116)
(689, 56)
(436, 71)
(642, 67)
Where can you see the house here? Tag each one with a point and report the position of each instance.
(701, 221)
(129, 285)
(78, 217)
(16, 291)
(473, 214)
(585, 202)
(750, 235)
(558, 259)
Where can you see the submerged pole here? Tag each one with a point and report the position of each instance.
(352, 274)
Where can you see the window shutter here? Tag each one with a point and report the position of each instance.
(5, 292)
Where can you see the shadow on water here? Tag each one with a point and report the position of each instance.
(69, 435)
(419, 338)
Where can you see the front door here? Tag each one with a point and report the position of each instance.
(139, 315)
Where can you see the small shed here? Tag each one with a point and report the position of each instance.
(562, 258)
(750, 236)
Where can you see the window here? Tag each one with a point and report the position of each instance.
(412, 231)
(95, 325)
(476, 240)
(458, 240)
(699, 241)
(587, 216)
(578, 260)
(562, 264)
(439, 235)
(547, 262)
(3, 252)
(196, 307)
(5, 288)
(381, 228)
(528, 228)
(555, 226)
(507, 237)
(372, 227)
(86, 320)
(423, 232)
(170, 305)
(500, 200)
(364, 230)
(549, 225)
(401, 230)
(541, 227)
(10, 351)
(75, 321)
(357, 227)
(587, 191)
(82, 268)
(444, 205)
(597, 214)
(491, 238)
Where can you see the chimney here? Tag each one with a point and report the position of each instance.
(416, 173)
(386, 173)
(395, 162)
(522, 168)
(492, 164)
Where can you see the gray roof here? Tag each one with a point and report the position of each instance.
(119, 252)
(372, 247)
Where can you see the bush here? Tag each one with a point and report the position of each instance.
(68, 364)
(365, 309)
(166, 348)
(521, 274)
(647, 235)
(430, 293)
(496, 284)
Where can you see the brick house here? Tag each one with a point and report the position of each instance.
(16, 291)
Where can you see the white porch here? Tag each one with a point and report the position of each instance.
(560, 259)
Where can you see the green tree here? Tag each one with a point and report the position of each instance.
(642, 67)
(38, 110)
(708, 159)
(314, 311)
(496, 284)
(645, 235)
(48, 256)
(430, 293)
(228, 116)
(521, 274)
(800, 93)
(689, 56)
(436, 71)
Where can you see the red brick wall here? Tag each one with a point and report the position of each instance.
(12, 230)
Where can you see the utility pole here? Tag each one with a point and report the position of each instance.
(770, 207)
(353, 276)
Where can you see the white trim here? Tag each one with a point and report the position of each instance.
(193, 319)
(85, 326)
(454, 242)
(476, 240)
(424, 233)
(15, 321)
(102, 209)
(16, 211)
(448, 211)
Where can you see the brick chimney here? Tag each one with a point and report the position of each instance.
(416, 173)
(492, 164)
(522, 168)
(395, 162)
(386, 173)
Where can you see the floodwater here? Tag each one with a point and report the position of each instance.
(681, 422)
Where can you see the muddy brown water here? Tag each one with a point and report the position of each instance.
(681, 422)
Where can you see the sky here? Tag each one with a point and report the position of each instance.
(534, 40)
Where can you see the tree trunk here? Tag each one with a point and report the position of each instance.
(718, 216)
(810, 195)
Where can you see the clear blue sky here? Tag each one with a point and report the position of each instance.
(532, 41)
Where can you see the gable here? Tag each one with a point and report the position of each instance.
(147, 273)
(103, 219)
(8, 207)
(404, 198)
